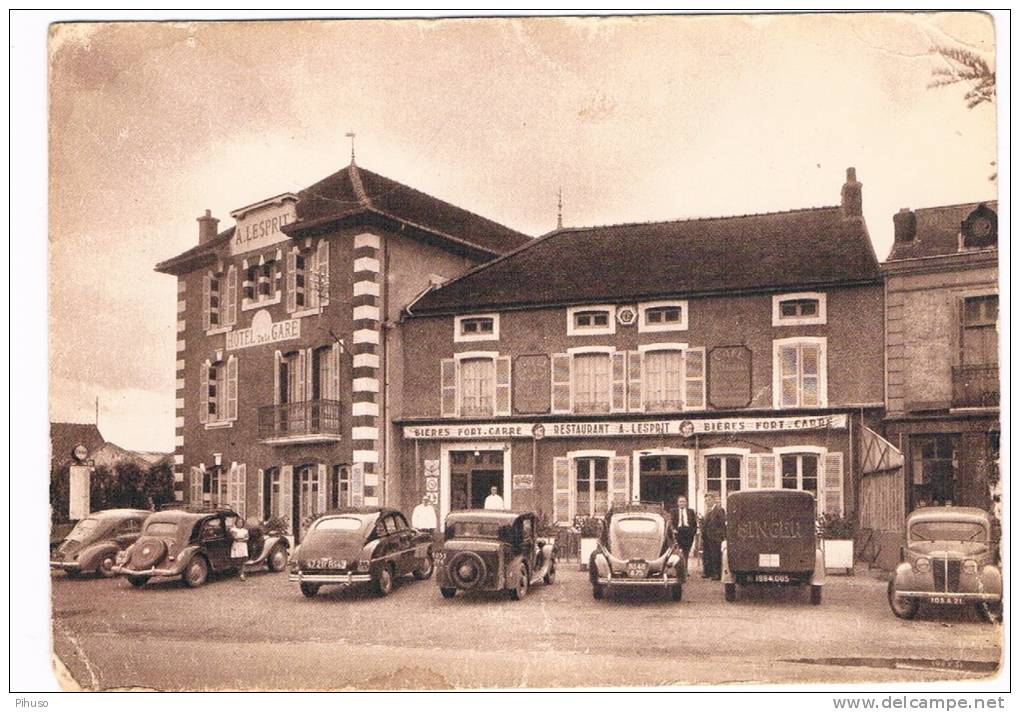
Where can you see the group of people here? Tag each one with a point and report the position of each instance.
(713, 532)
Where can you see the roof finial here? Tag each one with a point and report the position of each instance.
(351, 135)
(559, 210)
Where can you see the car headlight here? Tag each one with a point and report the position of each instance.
(363, 565)
(970, 567)
(922, 565)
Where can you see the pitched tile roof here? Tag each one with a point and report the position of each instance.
(937, 232)
(355, 192)
(795, 249)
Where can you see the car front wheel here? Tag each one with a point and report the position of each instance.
(905, 608)
(309, 589)
(277, 559)
(816, 595)
(520, 590)
(105, 567)
(425, 568)
(384, 581)
(597, 591)
(677, 592)
(730, 592)
(136, 581)
(196, 573)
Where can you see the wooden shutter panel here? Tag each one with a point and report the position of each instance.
(694, 379)
(618, 404)
(448, 387)
(357, 484)
(323, 480)
(322, 266)
(560, 383)
(831, 491)
(503, 385)
(753, 471)
(260, 480)
(562, 491)
(206, 306)
(291, 281)
(619, 480)
(203, 394)
(334, 386)
(769, 472)
(232, 388)
(634, 359)
(299, 378)
(276, 378)
(287, 496)
(231, 317)
(195, 494)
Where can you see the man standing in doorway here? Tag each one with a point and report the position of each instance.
(494, 501)
(423, 517)
(686, 525)
(712, 535)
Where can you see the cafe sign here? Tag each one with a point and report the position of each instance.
(263, 330)
(261, 225)
(682, 428)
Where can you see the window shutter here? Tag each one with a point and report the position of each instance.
(694, 379)
(323, 480)
(276, 378)
(260, 476)
(231, 296)
(769, 471)
(206, 290)
(203, 394)
(560, 383)
(357, 484)
(634, 359)
(309, 367)
(287, 496)
(334, 386)
(232, 388)
(503, 385)
(299, 378)
(619, 480)
(832, 484)
(448, 387)
(562, 491)
(291, 281)
(753, 471)
(618, 403)
(195, 495)
(322, 260)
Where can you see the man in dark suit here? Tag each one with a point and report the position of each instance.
(685, 522)
(712, 535)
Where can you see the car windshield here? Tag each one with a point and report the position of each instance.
(340, 524)
(83, 529)
(485, 530)
(161, 528)
(947, 531)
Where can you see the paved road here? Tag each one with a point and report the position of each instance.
(264, 634)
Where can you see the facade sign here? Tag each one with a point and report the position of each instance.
(682, 428)
(729, 377)
(262, 227)
(263, 331)
(524, 482)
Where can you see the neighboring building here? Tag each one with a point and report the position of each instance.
(942, 375)
(644, 361)
(287, 365)
(65, 437)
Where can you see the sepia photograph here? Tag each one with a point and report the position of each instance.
(568, 352)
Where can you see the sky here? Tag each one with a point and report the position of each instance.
(634, 119)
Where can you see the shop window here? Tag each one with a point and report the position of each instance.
(218, 392)
(591, 486)
(979, 343)
(798, 309)
(799, 471)
(799, 378)
(662, 316)
(591, 321)
(484, 327)
(933, 469)
(591, 382)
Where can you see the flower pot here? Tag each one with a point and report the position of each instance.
(588, 545)
(839, 554)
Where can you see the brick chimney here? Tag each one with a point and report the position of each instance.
(207, 227)
(904, 225)
(852, 202)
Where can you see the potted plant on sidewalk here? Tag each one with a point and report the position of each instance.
(837, 534)
(589, 529)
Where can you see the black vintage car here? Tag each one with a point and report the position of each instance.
(93, 544)
(192, 542)
(637, 548)
(360, 545)
(771, 540)
(492, 550)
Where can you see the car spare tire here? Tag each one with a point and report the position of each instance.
(467, 569)
(147, 553)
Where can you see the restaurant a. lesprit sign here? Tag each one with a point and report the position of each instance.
(599, 429)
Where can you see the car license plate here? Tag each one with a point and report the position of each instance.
(772, 578)
(946, 600)
(637, 569)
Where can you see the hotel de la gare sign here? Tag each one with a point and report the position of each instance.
(682, 428)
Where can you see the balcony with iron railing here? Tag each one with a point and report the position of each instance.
(976, 386)
(314, 421)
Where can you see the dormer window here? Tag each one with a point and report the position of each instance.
(798, 309)
(598, 320)
(477, 327)
(980, 230)
(662, 316)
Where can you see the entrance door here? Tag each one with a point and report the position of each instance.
(664, 478)
(482, 482)
(472, 475)
(306, 496)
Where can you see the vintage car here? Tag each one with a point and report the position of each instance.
(771, 540)
(637, 548)
(92, 546)
(360, 545)
(948, 560)
(493, 550)
(193, 542)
